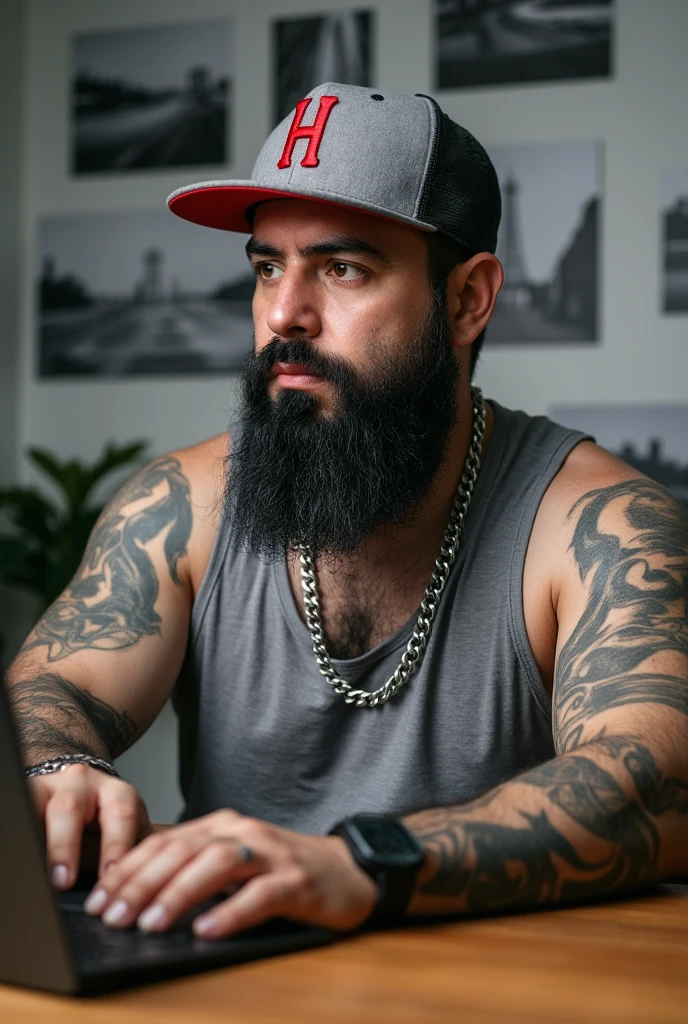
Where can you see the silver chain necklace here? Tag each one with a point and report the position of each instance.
(415, 648)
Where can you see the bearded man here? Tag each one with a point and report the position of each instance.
(429, 655)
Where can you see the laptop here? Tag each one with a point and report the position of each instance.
(48, 942)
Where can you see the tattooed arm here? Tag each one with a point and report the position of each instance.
(610, 812)
(100, 663)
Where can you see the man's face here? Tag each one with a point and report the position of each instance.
(355, 285)
(349, 399)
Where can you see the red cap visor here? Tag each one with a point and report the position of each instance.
(225, 206)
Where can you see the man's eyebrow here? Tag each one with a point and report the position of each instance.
(338, 245)
(350, 245)
(256, 248)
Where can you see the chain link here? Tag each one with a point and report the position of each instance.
(415, 648)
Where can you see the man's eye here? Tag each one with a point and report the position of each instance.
(269, 272)
(345, 272)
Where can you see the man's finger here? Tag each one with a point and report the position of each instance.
(127, 902)
(117, 874)
(217, 866)
(66, 813)
(275, 894)
(119, 816)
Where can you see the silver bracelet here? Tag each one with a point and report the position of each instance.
(56, 764)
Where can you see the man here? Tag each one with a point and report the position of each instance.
(385, 595)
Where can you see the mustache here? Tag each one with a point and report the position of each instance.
(302, 351)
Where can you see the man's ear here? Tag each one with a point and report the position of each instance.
(472, 289)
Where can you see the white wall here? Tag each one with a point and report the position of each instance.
(640, 114)
(11, 70)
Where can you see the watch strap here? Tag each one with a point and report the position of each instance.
(395, 889)
(395, 883)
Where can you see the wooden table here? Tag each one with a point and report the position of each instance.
(623, 961)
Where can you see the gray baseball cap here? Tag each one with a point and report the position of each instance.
(395, 156)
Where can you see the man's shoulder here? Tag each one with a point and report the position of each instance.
(588, 467)
(203, 464)
(595, 483)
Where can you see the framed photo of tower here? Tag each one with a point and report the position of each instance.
(123, 294)
(326, 48)
(675, 241)
(500, 42)
(548, 243)
(651, 438)
(155, 96)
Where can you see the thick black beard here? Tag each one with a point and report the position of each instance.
(298, 477)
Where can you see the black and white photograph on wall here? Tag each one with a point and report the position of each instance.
(140, 293)
(309, 51)
(500, 42)
(675, 241)
(548, 243)
(151, 97)
(651, 438)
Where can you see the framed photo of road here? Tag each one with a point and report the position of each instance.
(334, 47)
(503, 42)
(140, 292)
(151, 97)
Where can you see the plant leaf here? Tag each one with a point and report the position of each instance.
(112, 458)
(13, 554)
(46, 461)
(29, 511)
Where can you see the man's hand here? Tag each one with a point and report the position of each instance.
(268, 872)
(73, 805)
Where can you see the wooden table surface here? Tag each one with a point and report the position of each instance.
(623, 961)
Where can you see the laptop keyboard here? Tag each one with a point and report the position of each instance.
(99, 949)
(93, 943)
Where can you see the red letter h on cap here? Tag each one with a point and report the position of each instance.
(312, 132)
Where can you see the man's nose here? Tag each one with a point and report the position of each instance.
(292, 312)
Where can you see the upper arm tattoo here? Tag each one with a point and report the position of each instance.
(110, 603)
(637, 607)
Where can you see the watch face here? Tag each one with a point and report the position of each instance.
(388, 842)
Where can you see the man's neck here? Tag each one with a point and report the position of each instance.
(383, 582)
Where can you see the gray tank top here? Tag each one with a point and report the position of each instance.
(261, 731)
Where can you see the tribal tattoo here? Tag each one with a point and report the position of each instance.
(110, 603)
(53, 716)
(490, 865)
(637, 609)
(597, 822)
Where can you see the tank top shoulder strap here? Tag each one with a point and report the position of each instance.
(535, 448)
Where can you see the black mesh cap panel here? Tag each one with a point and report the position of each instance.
(460, 194)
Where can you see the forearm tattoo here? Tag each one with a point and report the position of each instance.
(53, 716)
(490, 865)
(110, 603)
(637, 608)
(597, 821)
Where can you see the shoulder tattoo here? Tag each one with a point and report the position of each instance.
(110, 603)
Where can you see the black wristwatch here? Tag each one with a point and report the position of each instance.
(390, 853)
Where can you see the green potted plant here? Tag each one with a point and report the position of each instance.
(41, 550)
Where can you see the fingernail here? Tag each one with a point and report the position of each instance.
(116, 913)
(60, 876)
(206, 925)
(95, 902)
(152, 919)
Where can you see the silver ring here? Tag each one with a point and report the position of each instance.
(246, 853)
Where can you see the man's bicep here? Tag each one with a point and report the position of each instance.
(622, 659)
(118, 631)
